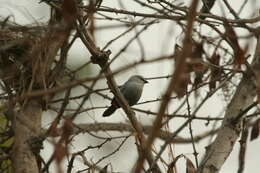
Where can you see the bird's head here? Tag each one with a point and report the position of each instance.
(138, 78)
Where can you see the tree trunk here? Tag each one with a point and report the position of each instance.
(27, 126)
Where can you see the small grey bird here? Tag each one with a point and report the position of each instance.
(131, 90)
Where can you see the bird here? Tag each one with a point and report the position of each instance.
(131, 90)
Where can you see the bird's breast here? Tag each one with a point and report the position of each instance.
(132, 93)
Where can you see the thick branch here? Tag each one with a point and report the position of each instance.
(220, 149)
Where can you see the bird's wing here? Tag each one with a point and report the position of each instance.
(118, 87)
(122, 89)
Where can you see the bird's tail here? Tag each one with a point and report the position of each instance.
(109, 111)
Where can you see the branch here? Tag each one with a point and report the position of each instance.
(123, 127)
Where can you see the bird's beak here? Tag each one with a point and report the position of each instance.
(145, 81)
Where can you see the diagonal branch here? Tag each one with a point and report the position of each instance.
(101, 58)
